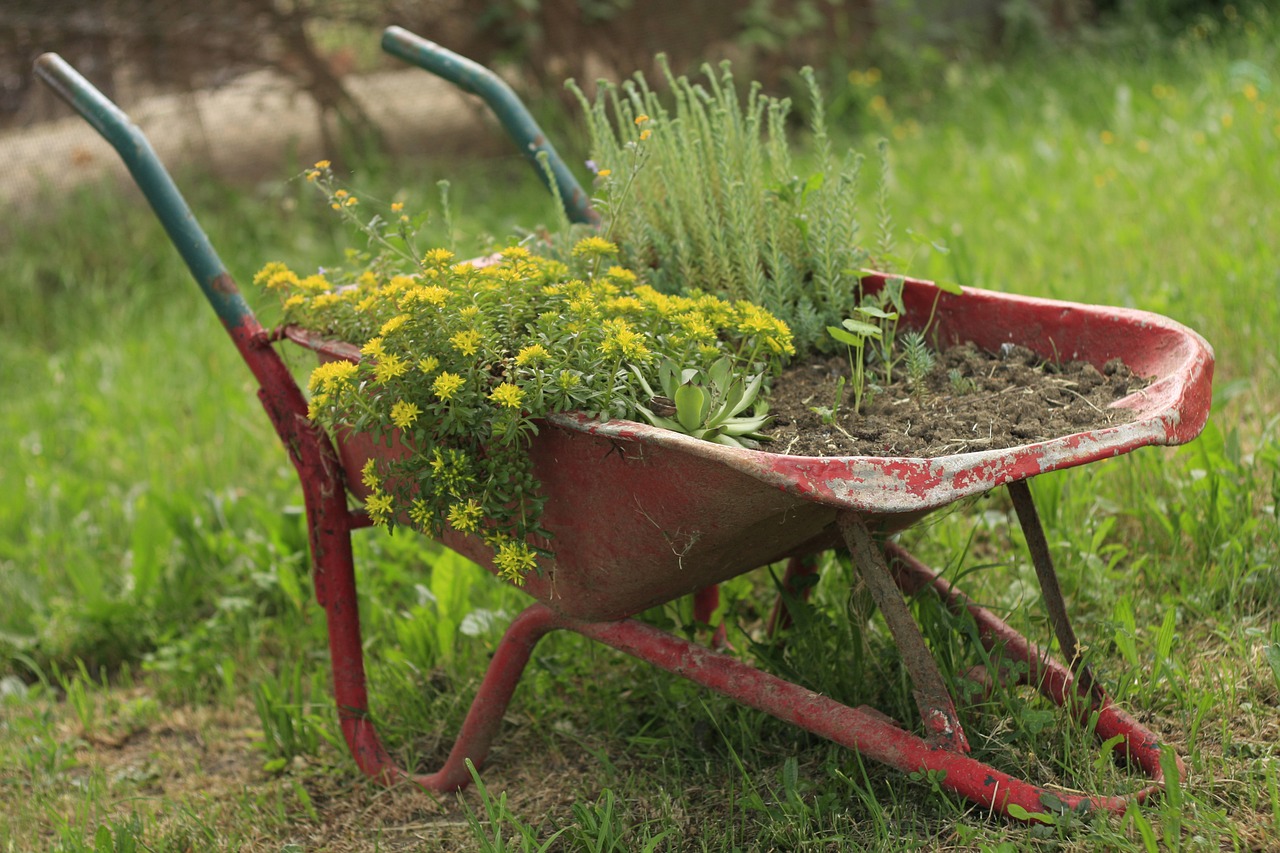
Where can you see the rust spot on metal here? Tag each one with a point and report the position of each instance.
(223, 283)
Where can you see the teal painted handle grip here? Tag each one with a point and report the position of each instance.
(171, 209)
(475, 78)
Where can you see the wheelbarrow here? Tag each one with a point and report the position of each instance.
(641, 516)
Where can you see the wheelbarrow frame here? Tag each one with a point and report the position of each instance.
(888, 570)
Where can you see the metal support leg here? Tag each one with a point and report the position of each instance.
(930, 691)
(797, 568)
(1038, 545)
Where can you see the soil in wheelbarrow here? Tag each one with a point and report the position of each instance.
(972, 400)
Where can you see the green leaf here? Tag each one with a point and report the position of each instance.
(845, 338)
(947, 286)
(692, 402)
(873, 311)
(866, 330)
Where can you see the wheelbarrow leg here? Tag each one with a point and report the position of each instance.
(1038, 545)
(930, 691)
(705, 602)
(346, 654)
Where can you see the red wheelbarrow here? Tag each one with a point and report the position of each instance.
(641, 516)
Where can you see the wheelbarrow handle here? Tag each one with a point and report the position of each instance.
(156, 184)
(470, 76)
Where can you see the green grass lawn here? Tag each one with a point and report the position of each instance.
(165, 679)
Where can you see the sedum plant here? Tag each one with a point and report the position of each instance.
(708, 404)
(461, 359)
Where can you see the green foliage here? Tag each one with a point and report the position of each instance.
(707, 404)
(703, 193)
(462, 359)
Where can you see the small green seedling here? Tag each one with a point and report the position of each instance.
(709, 407)
(854, 334)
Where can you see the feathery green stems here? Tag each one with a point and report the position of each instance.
(713, 202)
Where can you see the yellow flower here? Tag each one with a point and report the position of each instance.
(351, 201)
(403, 414)
(314, 284)
(313, 175)
(446, 385)
(397, 206)
(378, 505)
(389, 366)
(421, 515)
(467, 342)
(594, 247)
(512, 253)
(369, 475)
(621, 275)
(322, 164)
(624, 342)
(331, 376)
(604, 173)
(432, 294)
(508, 396)
(645, 134)
(466, 516)
(326, 300)
(373, 348)
(513, 559)
(532, 354)
(270, 269)
(394, 323)
(429, 364)
(641, 119)
(341, 194)
(437, 257)
(294, 301)
(1107, 137)
(568, 380)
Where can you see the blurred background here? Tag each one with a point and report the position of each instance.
(240, 85)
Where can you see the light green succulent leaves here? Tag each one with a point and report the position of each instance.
(707, 404)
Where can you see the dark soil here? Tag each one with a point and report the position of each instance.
(972, 400)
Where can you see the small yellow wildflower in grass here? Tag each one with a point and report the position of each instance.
(465, 516)
(467, 343)
(1227, 120)
(341, 194)
(446, 385)
(879, 106)
(645, 134)
(437, 257)
(322, 164)
(604, 173)
(513, 559)
(389, 367)
(1143, 146)
(1250, 92)
(594, 247)
(394, 323)
(508, 396)
(404, 413)
(378, 505)
(397, 206)
(313, 175)
(351, 202)
(641, 119)
(369, 475)
(1107, 137)
(532, 354)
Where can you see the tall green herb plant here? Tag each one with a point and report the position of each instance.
(713, 201)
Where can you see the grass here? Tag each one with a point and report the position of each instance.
(165, 679)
